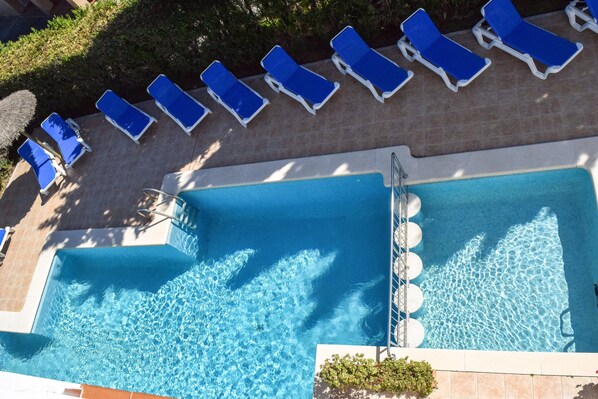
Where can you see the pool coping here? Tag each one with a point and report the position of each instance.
(579, 153)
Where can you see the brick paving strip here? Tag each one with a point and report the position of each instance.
(505, 106)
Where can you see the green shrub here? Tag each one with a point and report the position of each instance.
(389, 376)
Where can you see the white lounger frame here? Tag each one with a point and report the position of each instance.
(279, 87)
(412, 54)
(59, 171)
(116, 125)
(178, 122)
(578, 10)
(242, 121)
(482, 30)
(9, 231)
(86, 148)
(345, 68)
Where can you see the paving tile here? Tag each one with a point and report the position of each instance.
(547, 387)
(577, 387)
(518, 386)
(464, 385)
(443, 380)
(491, 386)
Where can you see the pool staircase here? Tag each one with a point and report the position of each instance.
(404, 298)
(184, 214)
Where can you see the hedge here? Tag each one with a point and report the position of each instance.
(394, 376)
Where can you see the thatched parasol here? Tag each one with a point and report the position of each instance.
(16, 112)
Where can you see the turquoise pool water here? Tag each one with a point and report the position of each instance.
(510, 263)
(274, 270)
(236, 308)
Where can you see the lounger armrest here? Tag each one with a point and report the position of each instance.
(73, 125)
(407, 48)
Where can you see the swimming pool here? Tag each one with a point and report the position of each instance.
(237, 308)
(274, 270)
(510, 263)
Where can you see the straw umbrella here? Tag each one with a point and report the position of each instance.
(16, 112)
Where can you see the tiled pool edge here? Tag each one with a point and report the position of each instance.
(23, 322)
(579, 153)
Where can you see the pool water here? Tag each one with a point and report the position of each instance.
(273, 270)
(235, 309)
(510, 263)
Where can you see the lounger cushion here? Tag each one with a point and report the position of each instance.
(454, 59)
(367, 63)
(176, 101)
(65, 136)
(502, 17)
(457, 61)
(40, 162)
(526, 38)
(544, 46)
(3, 234)
(350, 46)
(593, 6)
(295, 78)
(233, 93)
(383, 74)
(125, 115)
(420, 30)
(310, 86)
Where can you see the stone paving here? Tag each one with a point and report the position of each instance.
(463, 385)
(467, 385)
(505, 106)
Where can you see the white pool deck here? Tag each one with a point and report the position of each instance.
(580, 153)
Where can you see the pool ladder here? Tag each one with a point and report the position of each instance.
(184, 213)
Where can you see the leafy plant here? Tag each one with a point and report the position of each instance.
(389, 376)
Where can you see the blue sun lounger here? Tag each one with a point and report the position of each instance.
(66, 134)
(185, 110)
(586, 11)
(238, 98)
(372, 69)
(305, 86)
(44, 165)
(424, 42)
(128, 119)
(505, 29)
(4, 234)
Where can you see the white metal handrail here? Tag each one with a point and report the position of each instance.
(186, 213)
(399, 250)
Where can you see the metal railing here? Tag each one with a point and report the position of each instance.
(184, 213)
(398, 312)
